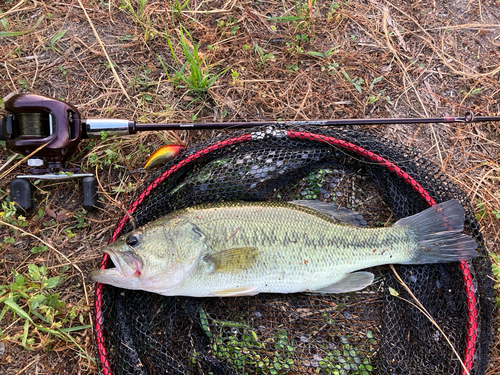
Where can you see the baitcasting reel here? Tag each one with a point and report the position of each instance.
(49, 130)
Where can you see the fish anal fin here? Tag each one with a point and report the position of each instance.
(350, 283)
(232, 260)
(235, 292)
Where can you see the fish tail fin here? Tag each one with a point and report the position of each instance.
(438, 232)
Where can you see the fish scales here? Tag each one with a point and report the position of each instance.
(245, 248)
(298, 248)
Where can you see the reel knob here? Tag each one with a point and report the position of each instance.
(89, 193)
(21, 194)
(6, 128)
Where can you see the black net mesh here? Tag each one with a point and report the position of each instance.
(367, 332)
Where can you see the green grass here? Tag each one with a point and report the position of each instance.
(137, 10)
(495, 266)
(30, 299)
(52, 44)
(178, 7)
(262, 57)
(41, 312)
(194, 74)
(8, 34)
(302, 18)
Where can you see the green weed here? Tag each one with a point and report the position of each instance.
(374, 98)
(63, 70)
(141, 81)
(495, 267)
(356, 81)
(4, 23)
(107, 153)
(239, 345)
(296, 46)
(332, 10)
(194, 74)
(108, 65)
(139, 15)
(46, 318)
(8, 34)
(480, 210)
(229, 26)
(302, 18)
(347, 359)
(262, 58)
(293, 68)
(235, 77)
(178, 7)
(8, 215)
(53, 41)
(23, 84)
(324, 55)
(314, 183)
(126, 37)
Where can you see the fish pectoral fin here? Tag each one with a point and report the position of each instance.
(350, 282)
(235, 292)
(341, 214)
(232, 260)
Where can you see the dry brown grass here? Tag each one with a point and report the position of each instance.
(433, 59)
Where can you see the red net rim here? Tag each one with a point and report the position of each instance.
(471, 337)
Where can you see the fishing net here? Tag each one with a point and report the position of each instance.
(378, 330)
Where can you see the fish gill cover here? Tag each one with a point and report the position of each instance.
(377, 330)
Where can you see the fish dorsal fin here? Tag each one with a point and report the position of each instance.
(232, 260)
(235, 292)
(340, 214)
(350, 282)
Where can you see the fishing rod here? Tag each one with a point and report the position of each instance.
(467, 118)
(48, 131)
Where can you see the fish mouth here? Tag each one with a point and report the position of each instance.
(116, 261)
(123, 268)
(104, 276)
(128, 264)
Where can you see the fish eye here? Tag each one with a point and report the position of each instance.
(133, 240)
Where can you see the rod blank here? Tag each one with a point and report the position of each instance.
(468, 118)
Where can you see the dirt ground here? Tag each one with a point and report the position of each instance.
(256, 60)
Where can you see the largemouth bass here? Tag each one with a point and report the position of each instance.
(246, 248)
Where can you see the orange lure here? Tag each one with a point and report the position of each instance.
(163, 155)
